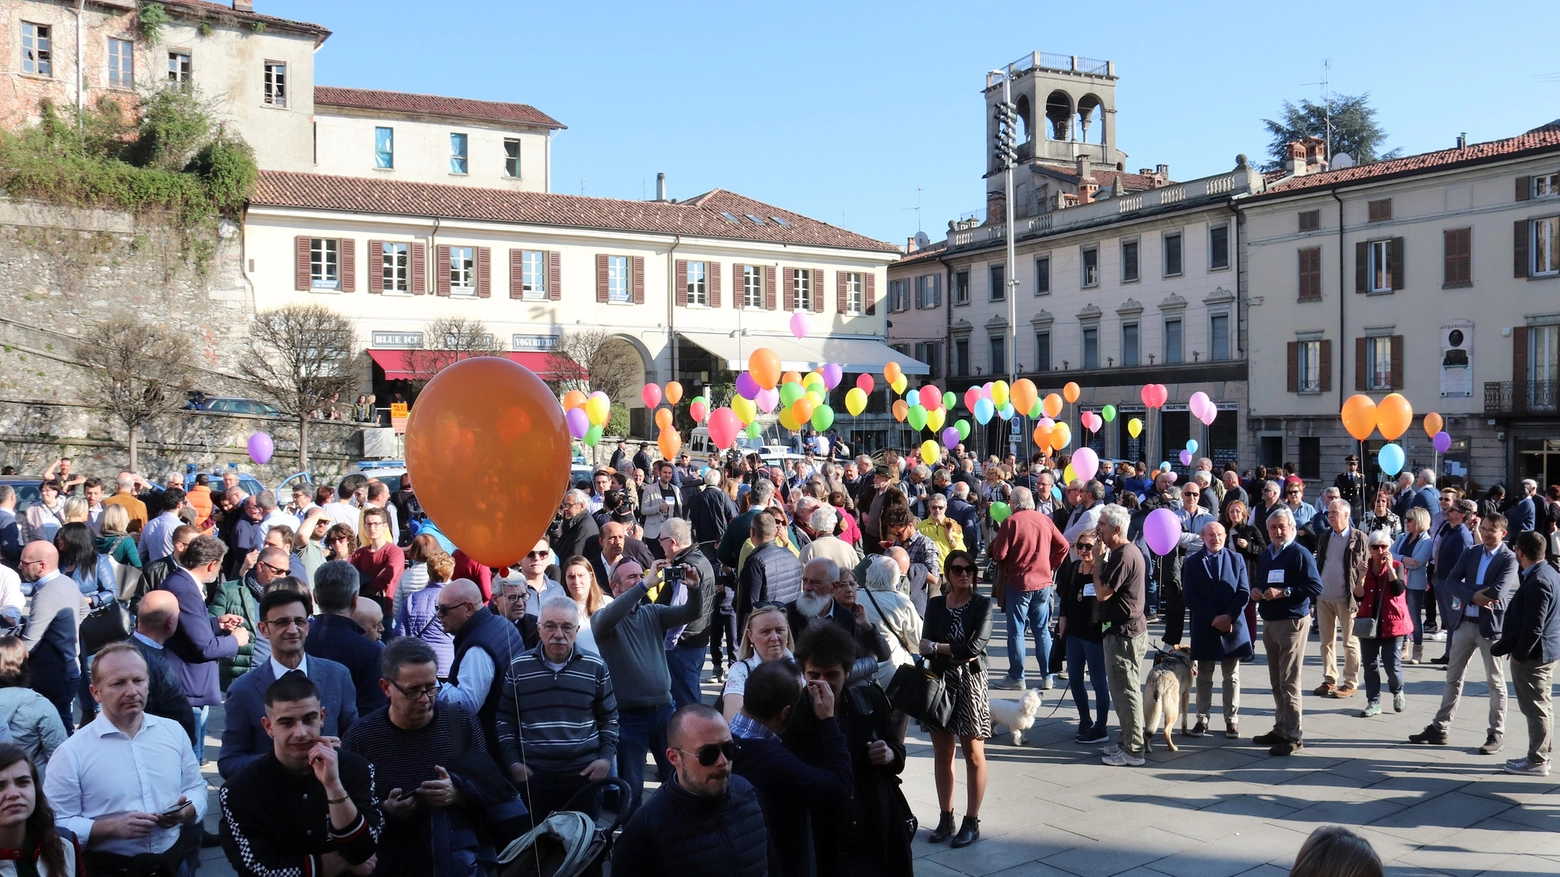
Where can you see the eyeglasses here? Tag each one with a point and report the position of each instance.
(442, 611)
(276, 570)
(1085, 546)
(515, 598)
(556, 627)
(962, 569)
(539, 555)
(285, 623)
(708, 755)
(1380, 547)
(428, 691)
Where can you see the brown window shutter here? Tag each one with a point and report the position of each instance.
(712, 279)
(441, 270)
(484, 272)
(601, 278)
(682, 283)
(348, 265)
(1395, 262)
(1311, 274)
(301, 263)
(1326, 369)
(1465, 265)
(1459, 256)
(817, 289)
(869, 298)
(1379, 211)
(1397, 362)
(1519, 249)
(1524, 188)
(1294, 366)
(769, 287)
(1362, 266)
(1449, 256)
(554, 277)
(1359, 365)
(375, 266)
(639, 279)
(788, 277)
(738, 285)
(516, 273)
(419, 268)
(839, 292)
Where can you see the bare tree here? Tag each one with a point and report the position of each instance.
(450, 340)
(137, 369)
(593, 359)
(302, 359)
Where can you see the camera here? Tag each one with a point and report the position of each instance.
(672, 574)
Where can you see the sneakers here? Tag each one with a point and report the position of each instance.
(1431, 735)
(1344, 690)
(1523, 767)
(1399, 701)
(1122, 758)
(1046, 683)
(1095, 734)
(1271, 738)
(1006, 683)
(1492, 744)
(1372, 708)
(1110, 750)
(1287, 747)
(1325, 689)
(1438, 636)
(1200, 729)
(1231, 731)
(1440, 662)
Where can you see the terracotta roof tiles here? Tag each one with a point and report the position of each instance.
(225, 11)
(432, 105)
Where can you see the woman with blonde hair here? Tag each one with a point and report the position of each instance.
(76, 510)
(766, 638)
(579, 582)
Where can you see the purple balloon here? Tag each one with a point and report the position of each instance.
(832, 375)
(747, 388)
(950, 437)
(261, 448)
(1443, 442)
(1186, 458)
(1162, 530)
(579, 422)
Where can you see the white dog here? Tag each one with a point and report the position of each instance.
(1017, 716)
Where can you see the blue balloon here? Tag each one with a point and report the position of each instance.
(983, 411)
(1390, 459)
(1007, 412)
(1191, 446)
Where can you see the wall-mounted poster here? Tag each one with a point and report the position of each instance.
(1457, 359)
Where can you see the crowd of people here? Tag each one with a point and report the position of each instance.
(391, 706)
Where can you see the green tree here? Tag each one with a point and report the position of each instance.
(1354, 129)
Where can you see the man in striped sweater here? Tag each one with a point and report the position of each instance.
(557, 716)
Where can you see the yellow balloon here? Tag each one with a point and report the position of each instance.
(598, 410)
(1068, 475)
(787, 421)
(929, 452)
(745, 409)
(855, 401)
(1135, 427)
(935, 419)
(818, 394)
(899, 385)
(999, 393)
(812, 378)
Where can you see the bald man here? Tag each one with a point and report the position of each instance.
(485, 646)
(51, 627)
(369, 616)
(158, 618)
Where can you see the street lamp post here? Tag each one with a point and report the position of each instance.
(1007, 157)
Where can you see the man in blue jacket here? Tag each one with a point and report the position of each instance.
(1285, 585)
(200, 641)
(1453, 537)
(1531, 636)
(334, 636)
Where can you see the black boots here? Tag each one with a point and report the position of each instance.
(944, 828)
(969, 832)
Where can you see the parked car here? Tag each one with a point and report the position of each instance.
(388, 471)
(239, 405)
(26, 488)
(250, 484)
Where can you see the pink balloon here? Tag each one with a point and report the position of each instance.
(1209, 412)
(1085, 463)
(697, 411)
(798, 326)
(931, 397)
(1162, 531)
(971, 396)
(724, 425)
(1170, 474)
(651, 394)
(864, 383)
(767, 400)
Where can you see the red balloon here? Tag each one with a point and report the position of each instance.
(488, 448)
(931, 398)
(724, 425)
(971, 396)
(865, 383)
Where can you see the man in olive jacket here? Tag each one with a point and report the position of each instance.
(241, 597)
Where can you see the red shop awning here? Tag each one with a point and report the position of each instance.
(399, 366)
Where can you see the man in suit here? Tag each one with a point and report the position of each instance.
(334, 636)
(611, 547)
(1403, 495)
(1531, 636)
(200, 642)
(154, 624)
(284, 622)
(1524, 512)
(1425, 494)
(577, 526)
(1479, 588)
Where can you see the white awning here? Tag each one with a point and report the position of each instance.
(805, 354)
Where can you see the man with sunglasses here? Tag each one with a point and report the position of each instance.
(240, 598)
(485, 646)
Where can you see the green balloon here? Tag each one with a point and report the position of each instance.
(1108, 413)
(1000, 511)
(1038, 411)
(698, 399)
(950, 400)
(823, 417)
(790, 393)
(917, 417)
(963, 426)
(592, 436)
(753, 430)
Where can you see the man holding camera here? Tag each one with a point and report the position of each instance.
(685, 660)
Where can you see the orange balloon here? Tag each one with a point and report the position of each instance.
(1042, 435)
(1061, 435)
(892, 371)
(1394, 416)
(764, 366)
(1359, 416)
(673, 392)
(495, 418)
(670, 442)
(802, 409)
(1433, 424)
(1023, 395)
(573, 399)
(1071, 392)
(901, 409)
(792, 377)
(1053, 405)
(663, 418)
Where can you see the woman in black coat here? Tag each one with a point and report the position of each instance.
(954, 636)
(1247, 540)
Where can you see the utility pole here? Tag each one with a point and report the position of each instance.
(1007, 157)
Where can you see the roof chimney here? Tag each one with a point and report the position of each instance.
(1163, 170)
(660, 187)
(244, 5)
(909, 245)
(1462, 140)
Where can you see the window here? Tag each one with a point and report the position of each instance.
(1380, 266)
(998, 282)
(121, 63)
(276, 83)
(512, 158)
(1219, 337)
(698, 290)
(324, 263)
(780, 222)
(1310, 367)
(384, 147)
(853, 287)
(1458, 244)
(1089, 259)
(463, 271)
(754, 219)
(1218, 247)
(898, 296)
(1379, 211)
(1129, 261)
(1546, 246)
(617, 280)
(1173, 254)
(1311, 274)
(753, 286)
(395, 265)
(1310, 220)
(928, 291)
(533, 275)
(961, 288)
(801, 289)
(1129, 344)
(1546, 185)
(1310, 456)
(1173, 340)
(1043, 351)
(1091, 346)
(37, 49)
(179, 67)
(1378, 363)
(1543, 355)
(930, 352)
(457, 153)
(961, 356)
(1043, 275)
(998, 354)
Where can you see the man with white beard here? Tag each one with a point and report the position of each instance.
(816, 605)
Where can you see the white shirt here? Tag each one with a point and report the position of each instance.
(278, 670)
(470, 687)
(100, 771)
(12, 602)
(341, 513)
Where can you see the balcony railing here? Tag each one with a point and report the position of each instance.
(1521, 397)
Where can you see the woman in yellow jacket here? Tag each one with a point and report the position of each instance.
(944, 531)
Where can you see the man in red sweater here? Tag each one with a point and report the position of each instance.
(381, 562)
(1029, 549)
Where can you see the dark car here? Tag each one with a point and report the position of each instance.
(26, 488)
(239, 405)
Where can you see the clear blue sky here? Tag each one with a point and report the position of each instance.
(840, 110)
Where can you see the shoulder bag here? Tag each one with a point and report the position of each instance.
(916, 689)
(110, 624)
(1369, 627)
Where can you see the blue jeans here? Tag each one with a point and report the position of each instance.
(642, 731)
(1378, 652)
(1416, 611)
(201, 714)
(1034, 609)
(685, 663)
(1082, 654)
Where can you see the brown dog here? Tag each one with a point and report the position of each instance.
(1167, 689)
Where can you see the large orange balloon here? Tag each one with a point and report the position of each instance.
(673, 392)
(489, 450)
(670, 442)
(1042, 435)
(663, 418)
(1433, 424)
(1023, 395)
(802, 409)
(1071, 392)
(1359, 416)
(764, 366)
(892, 371)
(1394, 416)
(573, 399)
(1053, 405)
(901, 410)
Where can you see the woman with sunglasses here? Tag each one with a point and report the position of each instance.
(1412, 550)
(958, 624)
(1382, 596)
(1079, 624)
(766, 638)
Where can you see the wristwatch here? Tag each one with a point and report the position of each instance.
(1289, 592)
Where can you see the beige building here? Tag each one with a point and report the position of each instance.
(1436, 276)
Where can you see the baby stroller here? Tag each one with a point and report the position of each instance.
(567, 843)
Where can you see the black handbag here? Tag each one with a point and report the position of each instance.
(920, 693)
(110, 624)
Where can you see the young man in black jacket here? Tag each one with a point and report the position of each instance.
(1531, 636)
(306, 808)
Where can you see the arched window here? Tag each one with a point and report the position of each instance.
(1091, 116)
(1059, 111)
